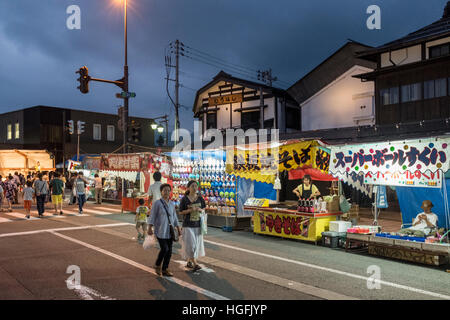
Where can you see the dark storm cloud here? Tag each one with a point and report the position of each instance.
(39, 55)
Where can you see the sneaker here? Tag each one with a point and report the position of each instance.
(190, 265)
(158, 270)
(28, 217)
(80, 212)
(61, 213)
(167, 273)
(196, 268)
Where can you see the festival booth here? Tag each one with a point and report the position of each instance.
(25, 161)
(259, 164)
(89, 165)
(217, 187)
(416, 169)
(127, 177)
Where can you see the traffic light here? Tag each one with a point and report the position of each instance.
(135, 131)
(70, 126)
(80, 126)
(84, 79)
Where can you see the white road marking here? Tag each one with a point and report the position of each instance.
(183, 267)
(24, 233)
(110, 209)
(387, 283)
(292, 285)
(144, 268)
(96, 211)
(20, 215)
(5, 220)
(86, 293)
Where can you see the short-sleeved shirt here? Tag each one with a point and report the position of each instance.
(28, 193)
(41, 187)
(98, 183)
(186, 204)
(80, 186)
(143, 213)
(311, 187)
(158, 218)
(57, 186)
(154, 191)
(431, 217)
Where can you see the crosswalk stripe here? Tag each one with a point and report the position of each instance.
(4, 220)
(110, 209)
(20, 215)
(97, 212)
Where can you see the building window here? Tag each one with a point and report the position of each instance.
(110, 133)
(250, 120)
(211, 121)
(411, 92)
(17, 131)
(439, 51)
(293, 120)
(9, 131)
(97, 132)
(389, 96)
(435, 88)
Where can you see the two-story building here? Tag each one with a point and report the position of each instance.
(43, 127)
(228, 102)
(412, 75)
(329, 95)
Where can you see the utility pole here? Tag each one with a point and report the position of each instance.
(177, 88)
(264, 76)
(125, 86)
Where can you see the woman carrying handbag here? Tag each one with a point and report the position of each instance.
(164, 219)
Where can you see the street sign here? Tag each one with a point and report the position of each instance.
(127, 94)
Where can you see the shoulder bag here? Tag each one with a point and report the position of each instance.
(173, 234)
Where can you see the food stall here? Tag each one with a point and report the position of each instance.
(128, 176)
(263, 163)
(25, 161)
(416, 168)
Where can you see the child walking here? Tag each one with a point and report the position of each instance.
(28, 193)
(142, 213)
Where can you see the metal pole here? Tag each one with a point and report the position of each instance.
(64, 143)
(177, 86)
(125, 86)
(78, 148)
(167, 130)
(261, 112)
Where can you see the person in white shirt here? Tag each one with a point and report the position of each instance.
(98, 189)
(154, 192)
(424, 223)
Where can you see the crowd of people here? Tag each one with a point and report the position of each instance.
(43, 187)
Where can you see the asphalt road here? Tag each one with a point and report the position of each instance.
(35, 256)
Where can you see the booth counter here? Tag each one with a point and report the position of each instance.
(130, 204)
(291, 224)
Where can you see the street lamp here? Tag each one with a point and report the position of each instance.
(154, 125)
(160, 129)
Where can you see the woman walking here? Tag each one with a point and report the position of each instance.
(162, 216)
(10, 191)
(41, 192)
(190, 207)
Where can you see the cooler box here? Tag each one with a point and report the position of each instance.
(333, 239)
(340, 226)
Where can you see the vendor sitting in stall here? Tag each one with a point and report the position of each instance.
(424, 223)
(307, 190)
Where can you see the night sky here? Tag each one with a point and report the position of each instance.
(39, 55)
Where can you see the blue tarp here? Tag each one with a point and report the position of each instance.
(265, 190)
(410, 199)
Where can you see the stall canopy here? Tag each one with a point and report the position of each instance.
(412, 163)
(417, 168)
(262, 163)
(25, 160)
